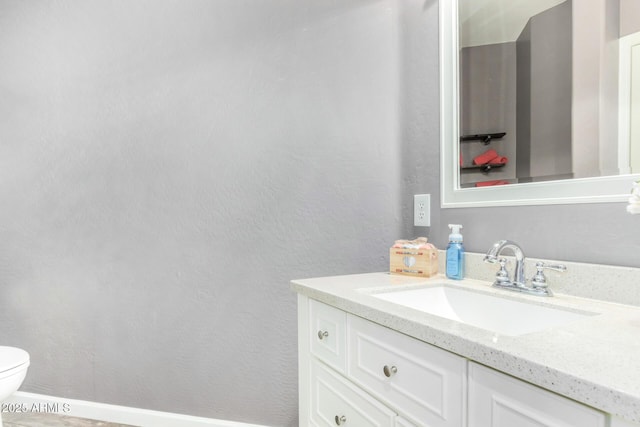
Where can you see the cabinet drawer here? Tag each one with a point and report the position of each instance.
(422, 382)
(328, 330)
(498, 400)
(335, 402)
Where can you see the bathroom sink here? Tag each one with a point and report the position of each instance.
(486, 311)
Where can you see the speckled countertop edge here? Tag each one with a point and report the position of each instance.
(594, 360)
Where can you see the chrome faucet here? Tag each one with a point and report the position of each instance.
(519, 283)
(495, 251)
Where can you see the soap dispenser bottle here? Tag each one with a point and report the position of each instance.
(455, 254)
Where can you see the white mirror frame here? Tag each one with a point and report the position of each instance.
(582, 190)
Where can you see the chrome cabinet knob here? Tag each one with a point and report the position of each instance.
(340, 420)
(389, 370)
(322, 334)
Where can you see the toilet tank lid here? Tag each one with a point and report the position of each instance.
(12, 357)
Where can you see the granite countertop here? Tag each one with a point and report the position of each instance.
(595, 360)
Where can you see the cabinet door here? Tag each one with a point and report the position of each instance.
(498, 400)
(336, 402)
(424, 383)
(328, 332)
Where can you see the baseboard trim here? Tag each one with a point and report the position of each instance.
(32, 402)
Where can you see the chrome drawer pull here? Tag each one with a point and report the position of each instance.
(388, 371)
(322, 334)
(341, 420)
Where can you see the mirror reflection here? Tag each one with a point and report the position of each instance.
(549, 90)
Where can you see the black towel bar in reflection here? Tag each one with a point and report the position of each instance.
(485, 168)
(486, 138)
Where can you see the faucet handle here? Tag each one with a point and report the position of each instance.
(539, 280)
(502, 277)
(557, 267)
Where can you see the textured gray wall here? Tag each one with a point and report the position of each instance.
(166, 167)
(419, 118)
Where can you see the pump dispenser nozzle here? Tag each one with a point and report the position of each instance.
(455, 235)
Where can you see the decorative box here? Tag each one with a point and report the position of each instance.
(413, 262)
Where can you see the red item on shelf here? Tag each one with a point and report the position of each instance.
(485, 157)
(491, 183)
(500, 160)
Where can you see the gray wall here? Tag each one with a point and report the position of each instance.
(629, 17)
(166, 167)
(523, 103)
(544, 96)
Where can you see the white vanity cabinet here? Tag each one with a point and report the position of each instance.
(498, 400)
(354, 372)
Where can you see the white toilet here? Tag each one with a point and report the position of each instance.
(13, 368)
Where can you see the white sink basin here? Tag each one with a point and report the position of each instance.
(493, 313)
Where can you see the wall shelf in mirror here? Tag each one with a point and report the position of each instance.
(485, 138)
(486, 168)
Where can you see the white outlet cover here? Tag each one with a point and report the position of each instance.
(422, 210)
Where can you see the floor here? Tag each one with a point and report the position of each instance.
(52, 420)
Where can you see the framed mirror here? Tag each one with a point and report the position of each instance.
(578, 144)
